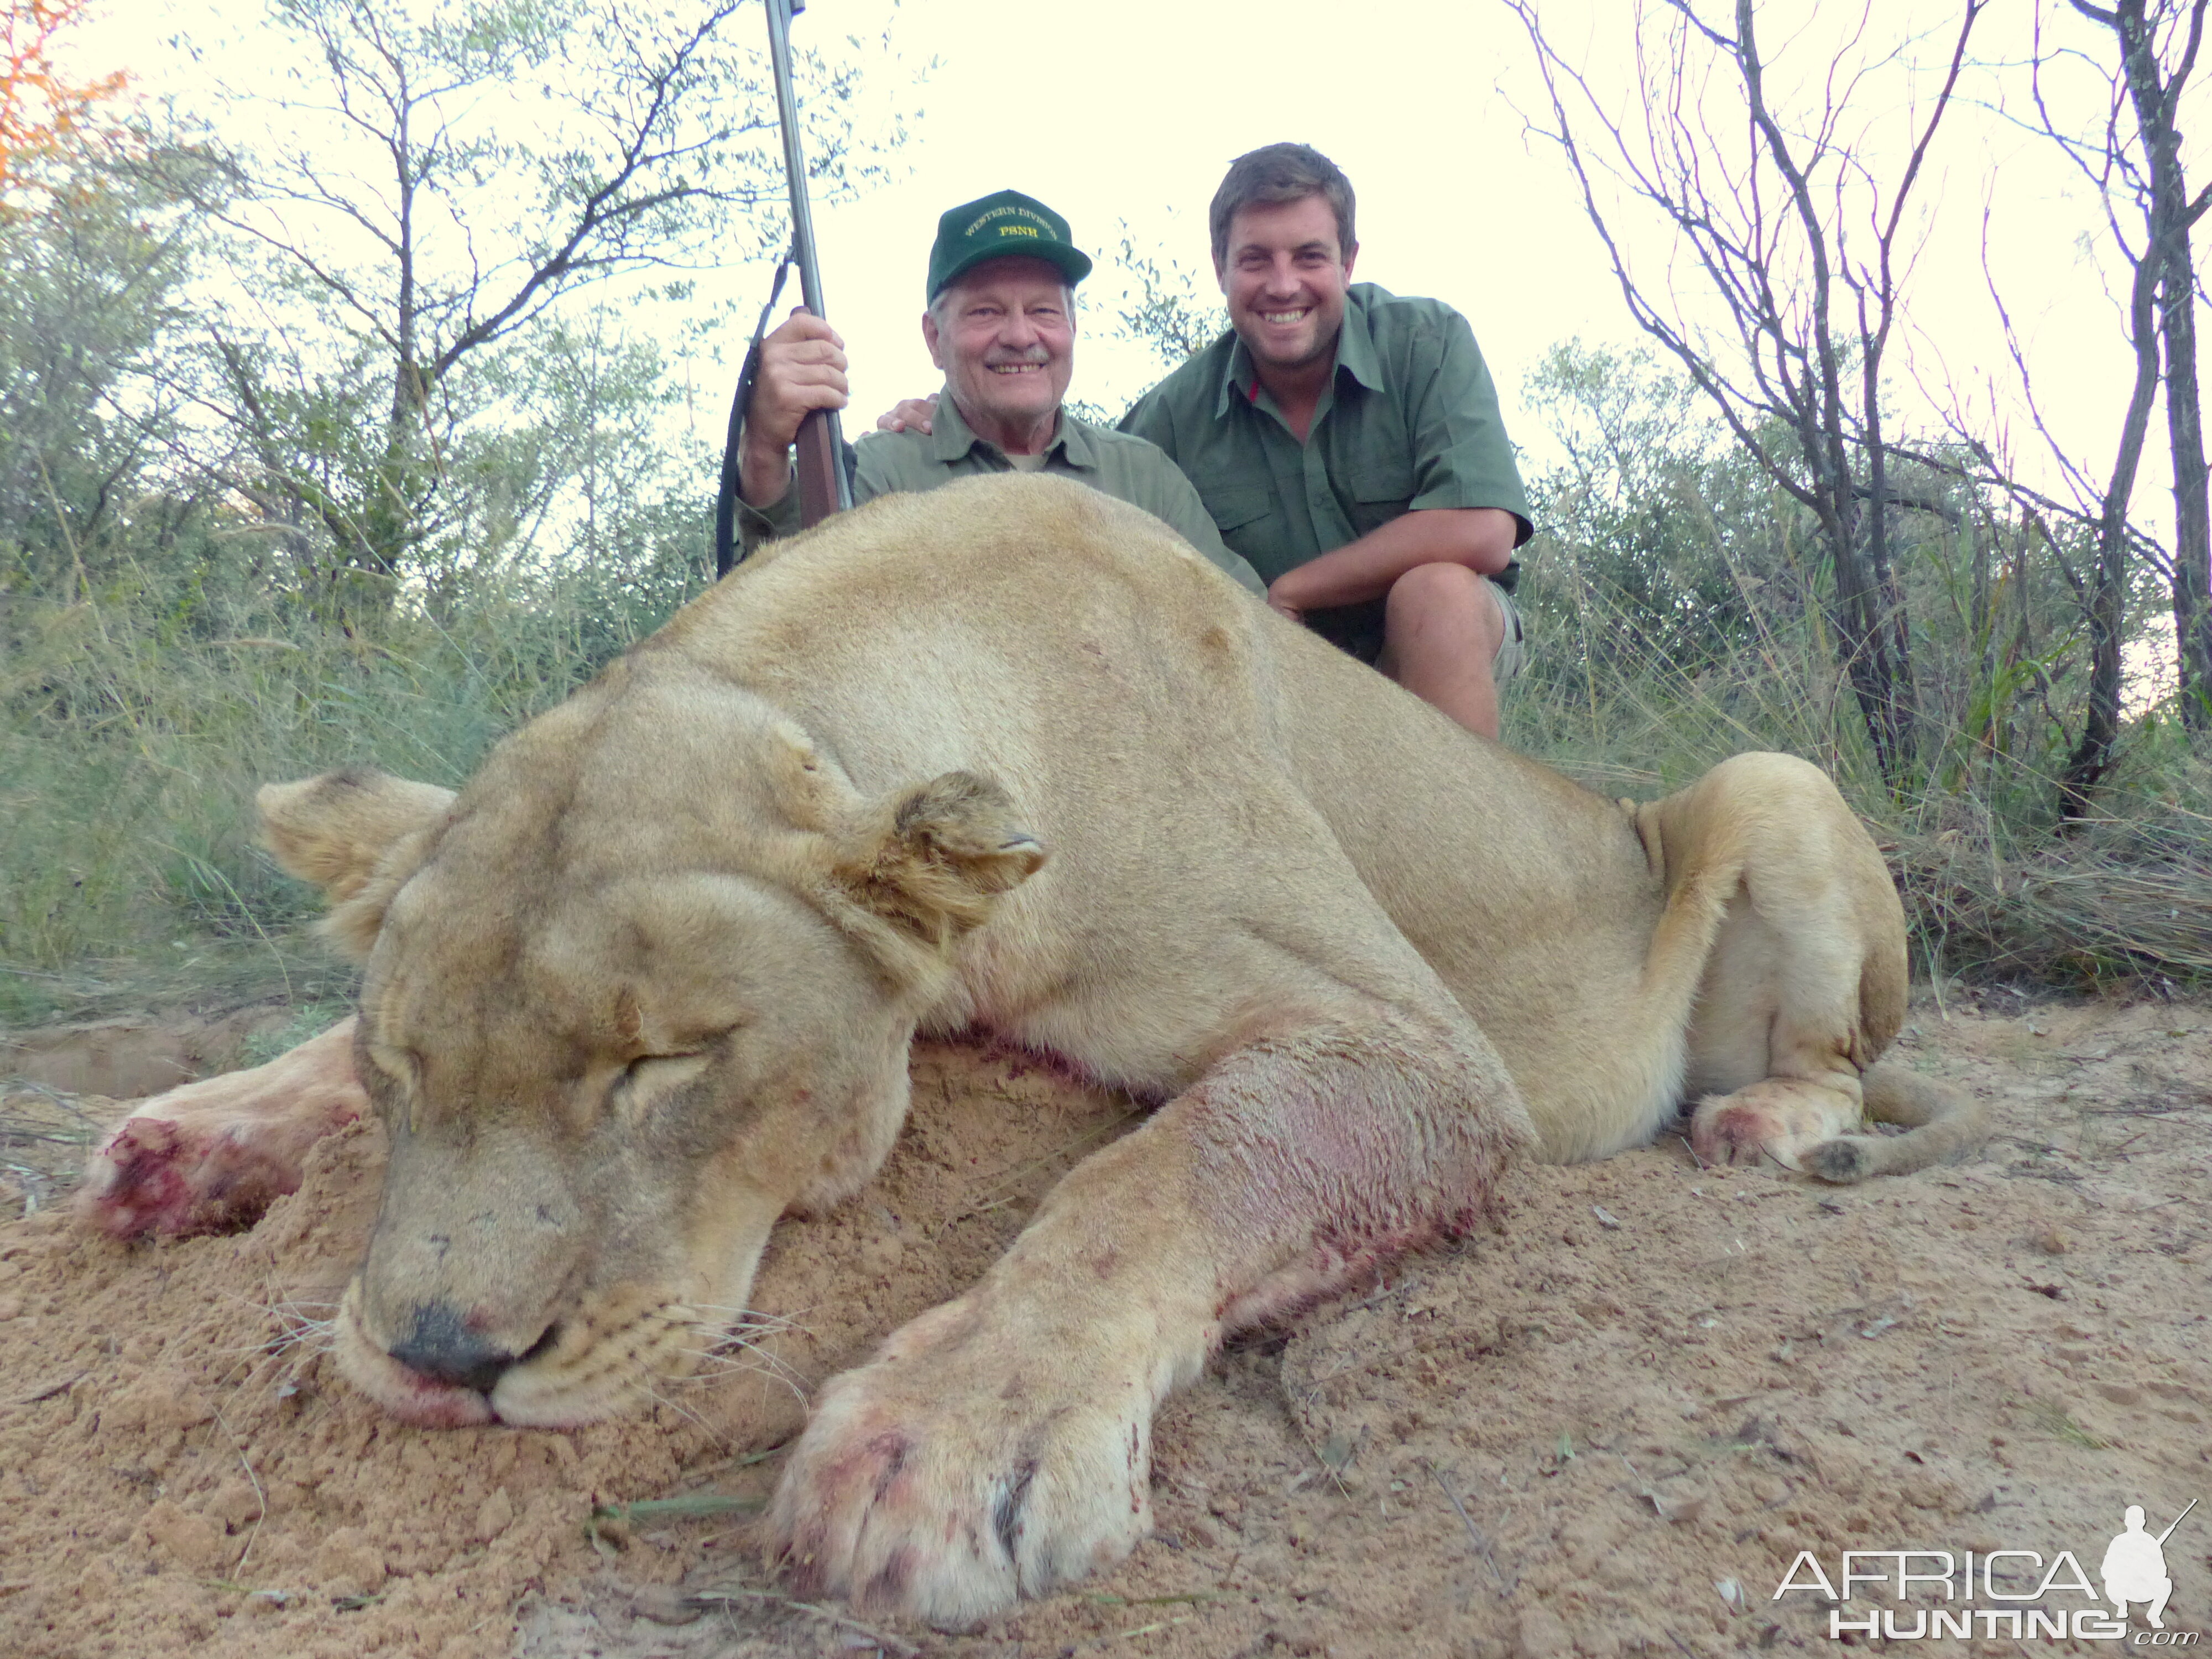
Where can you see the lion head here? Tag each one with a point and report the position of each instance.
(642, 987)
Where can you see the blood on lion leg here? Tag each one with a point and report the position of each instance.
(999, 1446)
(214, 1154)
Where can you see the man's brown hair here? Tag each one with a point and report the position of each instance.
(1274, 174)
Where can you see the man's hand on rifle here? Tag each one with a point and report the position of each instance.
(802, 368)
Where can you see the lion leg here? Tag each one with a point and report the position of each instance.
(1945, 1121)
(1804, 984)
(212, 1155)
(999, 1446)
(1770, 1048)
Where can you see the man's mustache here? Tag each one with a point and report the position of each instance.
(1036, 354)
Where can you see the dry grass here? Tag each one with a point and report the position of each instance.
(134, 728)
(45, 1135)
(1994, 887)
(2072, 915)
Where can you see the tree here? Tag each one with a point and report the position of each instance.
(1806, 253)
(91, 260)
(432, 191)
(42, 113)
(1162, 306)
(87, 283)
(1650, 518)
(2131, 153)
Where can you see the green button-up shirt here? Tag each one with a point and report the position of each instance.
(1409, 420)
(1126, 467)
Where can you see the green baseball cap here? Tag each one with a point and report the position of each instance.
(996, 225)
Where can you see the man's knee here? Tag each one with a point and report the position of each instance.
(1450, 595)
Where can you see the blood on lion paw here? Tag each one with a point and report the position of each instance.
(955, 1473)
(212, 1155)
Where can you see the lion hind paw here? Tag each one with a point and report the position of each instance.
(1846, 1159)
(1778, 1119)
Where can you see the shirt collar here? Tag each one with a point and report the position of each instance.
(951, 437)
(1355, 356)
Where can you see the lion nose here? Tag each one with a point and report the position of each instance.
(443, 1345)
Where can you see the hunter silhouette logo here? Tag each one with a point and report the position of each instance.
(2005, 1583)
(2135, 1566)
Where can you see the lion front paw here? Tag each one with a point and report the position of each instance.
(214, 1154)
(950, 1476)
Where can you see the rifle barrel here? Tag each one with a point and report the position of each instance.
(821, 437)
(2177, 1520)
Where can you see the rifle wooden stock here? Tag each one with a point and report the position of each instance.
(820, 465)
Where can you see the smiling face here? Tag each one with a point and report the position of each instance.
(1284, 277)
(1004, 333)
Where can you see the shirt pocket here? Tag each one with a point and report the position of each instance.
(1235, 508)
(1251, 521)
(1381, 491)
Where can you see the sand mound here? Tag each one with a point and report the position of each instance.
(1612, 1427)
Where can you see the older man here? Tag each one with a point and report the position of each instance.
(1001, 324)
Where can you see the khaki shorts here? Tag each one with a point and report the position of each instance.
(1358, 628)
(1513, 650)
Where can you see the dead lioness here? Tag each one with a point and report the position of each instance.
(1009, 755)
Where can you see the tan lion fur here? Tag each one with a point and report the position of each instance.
(1009, 755)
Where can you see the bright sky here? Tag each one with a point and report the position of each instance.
(1131, 111)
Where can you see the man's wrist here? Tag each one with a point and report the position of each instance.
(764, 474)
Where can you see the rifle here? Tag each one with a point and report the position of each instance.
(823, 486)
(2178, 1520)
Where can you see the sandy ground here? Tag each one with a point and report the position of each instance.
(1610, 1427)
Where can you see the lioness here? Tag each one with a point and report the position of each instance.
(1009, 755)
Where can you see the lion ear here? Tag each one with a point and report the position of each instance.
(933, 861)
(357, 835)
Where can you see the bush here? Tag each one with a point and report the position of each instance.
(139, 722)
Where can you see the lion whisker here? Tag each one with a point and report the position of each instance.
(660, 1399)
(749, 1320)
(715, 1364)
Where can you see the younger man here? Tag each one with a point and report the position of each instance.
(1348, 443)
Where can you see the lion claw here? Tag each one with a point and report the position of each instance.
(911, 1495)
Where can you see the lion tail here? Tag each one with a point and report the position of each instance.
(1942, 1123)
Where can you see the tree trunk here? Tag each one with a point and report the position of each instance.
(2100, 728)
(2173, 219)
(1891, 630)
(2192, 485)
